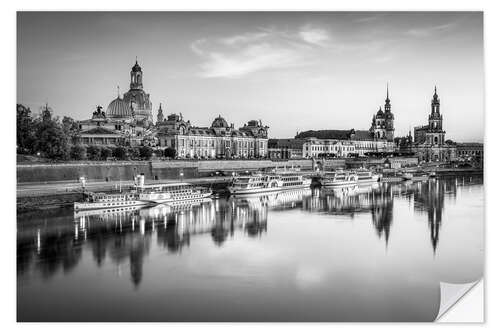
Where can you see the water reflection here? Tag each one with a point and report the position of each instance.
(54, 243)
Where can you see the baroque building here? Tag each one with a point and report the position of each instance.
(382, 127)
(343, 143)
(127, 120)
(429, 140)
(220, 140)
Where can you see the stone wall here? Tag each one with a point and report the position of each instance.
(96, 171)
(155, 170)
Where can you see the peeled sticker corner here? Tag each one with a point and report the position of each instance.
(451, 293)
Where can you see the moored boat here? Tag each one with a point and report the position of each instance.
(271, 182)
(367, 176)
(141, 195)
(338, 178)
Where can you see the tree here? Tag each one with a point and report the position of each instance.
(450, 142)
(133, 153)
(51, 141)
(70, 128)
(25, 130)
(170, 152)
(105, 153)
(120, 153)
(145, 152)
(78, 152)
(94, 153)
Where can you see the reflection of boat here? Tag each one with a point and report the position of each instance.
(338, 178)
(274, 199)
(432, 174)
(271, 182)
(143, 195)
(341, 190)
(173, 207)
(106, 211)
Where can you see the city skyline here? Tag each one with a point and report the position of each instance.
(314, 70)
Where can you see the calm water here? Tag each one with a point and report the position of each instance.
(377, 254)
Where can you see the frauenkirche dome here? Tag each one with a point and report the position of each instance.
(118, 108)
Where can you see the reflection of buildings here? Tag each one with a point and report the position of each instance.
(429, 198)
(125, 238)
(375, 199)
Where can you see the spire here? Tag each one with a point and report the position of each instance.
(387, 96)
(159, 109)
(118, 89)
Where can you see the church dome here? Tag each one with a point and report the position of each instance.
(118, 108)
(219, 122)
(380, 113)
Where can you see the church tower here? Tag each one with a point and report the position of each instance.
(389, 118)
(160, 117)
(136, 76)
(435, 134)
(137, 98)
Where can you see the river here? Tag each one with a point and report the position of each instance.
(374, 254)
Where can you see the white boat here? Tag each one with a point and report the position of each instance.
(339, 178)
(170, 193)
(142, 195)
(109, 201)
(272, 182)
(366, 176)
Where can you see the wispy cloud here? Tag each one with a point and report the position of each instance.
(316, 36)
(264, 49)
(428, 31)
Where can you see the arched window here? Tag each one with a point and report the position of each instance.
(436, 139)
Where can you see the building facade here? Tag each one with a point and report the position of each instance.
(429, 142)
(352, 143)
(382, 127)
(127, 121)
(470, 151)
(285, 148)
(220, 140)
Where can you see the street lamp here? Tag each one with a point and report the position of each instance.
(83, 181)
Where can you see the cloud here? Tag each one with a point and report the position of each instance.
(314, 36)
(428, 31)
(264, 49)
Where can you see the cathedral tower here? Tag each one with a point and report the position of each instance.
(136, 76)
(137, 99)
(160, 118)
(389, 118)
(435, 134)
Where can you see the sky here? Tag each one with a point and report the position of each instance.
(295, 71)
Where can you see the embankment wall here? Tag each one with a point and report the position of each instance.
(110, 171)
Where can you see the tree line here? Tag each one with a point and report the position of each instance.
(57, 139)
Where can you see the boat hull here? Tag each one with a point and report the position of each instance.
(243, 191)
(172, 200)
(78, 206)
(343, 183)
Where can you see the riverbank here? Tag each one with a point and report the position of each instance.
(43, 196)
